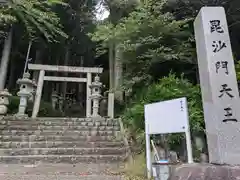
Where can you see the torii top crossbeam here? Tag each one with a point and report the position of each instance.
(73, 69)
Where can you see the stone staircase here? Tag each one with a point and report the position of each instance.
(61, 140)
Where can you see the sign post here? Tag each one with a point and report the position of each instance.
(148, 153)
(164, 118)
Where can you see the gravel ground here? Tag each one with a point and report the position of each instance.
(59, 172)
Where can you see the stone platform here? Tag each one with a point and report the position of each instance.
(206, 172)
(41, 171)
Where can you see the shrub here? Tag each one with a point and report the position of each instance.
(167, 88)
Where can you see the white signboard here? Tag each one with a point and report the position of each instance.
(166, 117)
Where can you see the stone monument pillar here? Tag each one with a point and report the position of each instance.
(96, 95)
(219, 88)
(25, 92)
(4, 101)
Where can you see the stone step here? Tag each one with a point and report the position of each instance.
(57, 127)
(72, 159)
(61, 144)
(18, 138)
(61, 121)
(49, 169)
(62, 151)
(60, 133)
(62, 177)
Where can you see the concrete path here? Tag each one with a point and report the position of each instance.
(60, 172)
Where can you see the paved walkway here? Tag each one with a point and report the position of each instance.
(60, 172)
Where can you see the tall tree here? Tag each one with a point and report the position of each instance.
(189, 9)
(153, 43)
(36, 18)
(78, 49)
(118, 9)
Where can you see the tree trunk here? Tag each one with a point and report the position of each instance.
(37, 61)
(80, 85)
(118, 69)
(111, 66)
(11, 81)
(66, 61)
(57, 87)
(5, 60)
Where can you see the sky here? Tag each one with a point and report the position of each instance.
(102, 13)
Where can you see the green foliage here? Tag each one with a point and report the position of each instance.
(77, 19)
(167, 88)
(119, 8)
(148, 38)
(35, 16)
(45, 109)
(237, 67)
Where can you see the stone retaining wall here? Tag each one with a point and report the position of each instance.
(206, 172)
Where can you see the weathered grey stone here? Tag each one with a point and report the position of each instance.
(60, 140)
(40, 171)
(59, 122)
(4, 102)
(61, 144)
(206, 172)
(97, 123)
(90, 123)
(61, 177)
(203, 158)
(217, 73)
(54, 132)
(71, 159)
(63, 151)
(57, 127)
(173, 156)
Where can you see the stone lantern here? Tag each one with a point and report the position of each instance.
(54, 99)
(25, 92)
(4, 101)
(96, 95)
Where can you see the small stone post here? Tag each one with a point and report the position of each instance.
(25, 92)
(4, 101)
(111, 105)
(104, 105)
(34, 87)
(96, 95)
(60, 103)
(54, 100)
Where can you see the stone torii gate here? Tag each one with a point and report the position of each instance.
(56, 68)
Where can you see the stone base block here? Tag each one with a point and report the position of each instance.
(206, 172)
